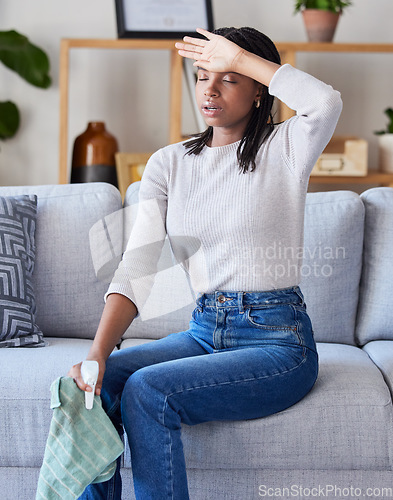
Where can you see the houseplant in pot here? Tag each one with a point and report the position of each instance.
(28, 61)
(321, 17)
(385, 143)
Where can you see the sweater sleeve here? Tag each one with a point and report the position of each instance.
(135, 274)
(318, 107)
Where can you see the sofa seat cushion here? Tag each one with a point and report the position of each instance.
(381, 352)
(131, 342)
(343, 423)
(375, 315)
(25, 379)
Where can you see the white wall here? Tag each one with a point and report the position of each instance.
(129, 89)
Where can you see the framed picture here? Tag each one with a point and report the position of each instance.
(129, 169)
(162, 18)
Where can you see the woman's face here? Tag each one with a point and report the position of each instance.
(226, 102)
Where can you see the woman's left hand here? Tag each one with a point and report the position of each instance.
(216, 54)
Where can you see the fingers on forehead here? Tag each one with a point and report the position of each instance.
(195, 41)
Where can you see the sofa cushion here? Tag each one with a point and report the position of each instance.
(333, 244)
(25, 379)
(131, 342)
(330, 274)
(17, 260)
(381, 352)
(375, 315)
(69, 296)
(344, 423)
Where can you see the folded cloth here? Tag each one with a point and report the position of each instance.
(82, 446)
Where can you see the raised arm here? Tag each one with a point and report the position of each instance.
(218, 54)
(317, 105)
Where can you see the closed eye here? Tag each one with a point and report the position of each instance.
(228, 79)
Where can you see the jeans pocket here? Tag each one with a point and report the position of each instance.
(275, 324)
(273, 317)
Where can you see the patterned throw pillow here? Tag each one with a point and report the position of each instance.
(17, 257)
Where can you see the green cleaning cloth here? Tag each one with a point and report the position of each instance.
(82, 446)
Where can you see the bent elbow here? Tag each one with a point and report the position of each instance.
(333, 103)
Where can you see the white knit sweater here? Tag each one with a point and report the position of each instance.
(233, 231)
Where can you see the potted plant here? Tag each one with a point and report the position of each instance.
(385, 144)
(321, 17)
(28, 61)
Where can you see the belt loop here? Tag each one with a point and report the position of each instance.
(300, 295)
(240, 296)
(200, 302)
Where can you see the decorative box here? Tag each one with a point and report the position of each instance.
(343, 156)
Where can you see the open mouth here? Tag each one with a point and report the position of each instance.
(210, 108)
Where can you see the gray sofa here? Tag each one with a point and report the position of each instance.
(336, 442)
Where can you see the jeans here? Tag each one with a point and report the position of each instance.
(245, 355)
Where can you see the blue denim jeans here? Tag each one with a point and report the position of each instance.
(246, 355)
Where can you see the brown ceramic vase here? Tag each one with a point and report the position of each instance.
(93, 156)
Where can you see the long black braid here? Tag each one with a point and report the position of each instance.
(260, 125)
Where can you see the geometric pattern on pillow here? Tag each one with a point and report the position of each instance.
(17, 258)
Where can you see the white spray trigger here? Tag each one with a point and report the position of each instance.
(89, 371)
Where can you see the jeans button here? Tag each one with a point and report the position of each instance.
(221, 299)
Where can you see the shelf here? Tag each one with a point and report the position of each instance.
(288, 52)
(381, 179)
(175, 97)
(333, 47)
(124, 43)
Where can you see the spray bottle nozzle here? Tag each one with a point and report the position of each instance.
(89, 371)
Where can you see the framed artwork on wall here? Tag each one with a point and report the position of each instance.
(162, 18)
(129, 169)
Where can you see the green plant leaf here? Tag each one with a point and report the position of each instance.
(26, 59)
(389, 114)
(331, 5)
(9, 119)
(389, 127)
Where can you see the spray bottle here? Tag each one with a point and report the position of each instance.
(89, 371)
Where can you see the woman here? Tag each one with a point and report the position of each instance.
(239, 190)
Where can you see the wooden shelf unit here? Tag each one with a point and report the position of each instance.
(175, 97)
(379, 178)
(288, 51)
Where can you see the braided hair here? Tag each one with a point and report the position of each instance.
(260, 125)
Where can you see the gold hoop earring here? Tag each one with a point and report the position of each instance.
(257, 103)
